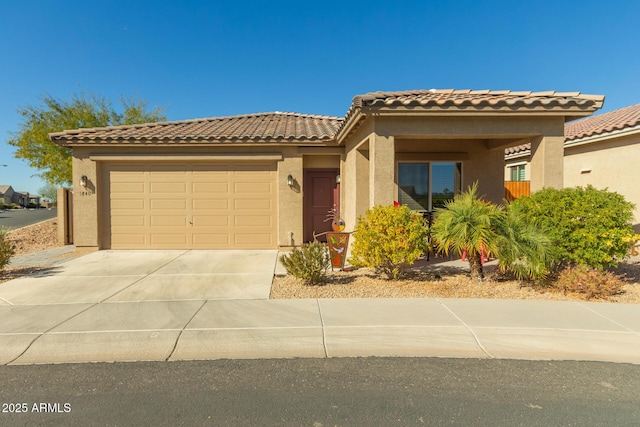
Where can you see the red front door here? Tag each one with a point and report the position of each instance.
(321, 194)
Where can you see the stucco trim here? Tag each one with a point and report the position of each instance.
(249, 157)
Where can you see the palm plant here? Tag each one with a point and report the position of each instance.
(524, 249)
(472, 226)
(467, 225)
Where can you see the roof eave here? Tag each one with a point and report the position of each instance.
(196, 142)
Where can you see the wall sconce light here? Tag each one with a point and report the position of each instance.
(338, 179)
(289, 180)
(84, 181)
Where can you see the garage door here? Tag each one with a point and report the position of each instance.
(192, 206)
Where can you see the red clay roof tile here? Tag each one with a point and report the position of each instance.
(263, 127)
(608, 122)
(293, 127)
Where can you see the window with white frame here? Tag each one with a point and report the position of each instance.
(425, 186)
(517, 173)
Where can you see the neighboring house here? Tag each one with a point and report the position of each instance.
(602, 151)
(34, 200)
(6, 193)
(21, 198)
(268, 180)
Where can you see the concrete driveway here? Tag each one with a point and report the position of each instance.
(118, 276)
(123, 305)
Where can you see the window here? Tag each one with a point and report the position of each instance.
(426, 186)
(517, 173)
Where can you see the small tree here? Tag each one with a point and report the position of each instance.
(389, 238)
(468, 225)
(49, 192)
(55, 115)
(586, 226)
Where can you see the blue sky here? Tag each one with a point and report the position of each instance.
(208, 58)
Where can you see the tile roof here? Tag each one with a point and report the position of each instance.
(471, 100)
(262, 127)
(517, 149)
(608, 122)
(477, 98)
(293, 127)
(624, 118)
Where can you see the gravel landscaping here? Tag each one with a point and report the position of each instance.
(437, 278)
(35, 238)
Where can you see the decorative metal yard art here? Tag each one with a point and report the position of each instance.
(337, 241)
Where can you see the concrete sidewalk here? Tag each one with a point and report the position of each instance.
(213, 329)
(166, 306)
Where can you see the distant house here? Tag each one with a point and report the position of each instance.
(33, 200)
(21, 198)
(602, 151)
(6, 193)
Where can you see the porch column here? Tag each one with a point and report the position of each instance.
(381, 170)
(547, 157)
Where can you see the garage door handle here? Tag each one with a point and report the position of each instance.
(191, 222)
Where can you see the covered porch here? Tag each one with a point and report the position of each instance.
(422, 157)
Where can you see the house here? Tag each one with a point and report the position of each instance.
(21, 198)
(268, 180)
(6, 193)
(602, 151)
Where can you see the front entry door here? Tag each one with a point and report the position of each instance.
(321, 194)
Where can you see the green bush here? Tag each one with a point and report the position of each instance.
(586, 226)
(389, 238)
(6, 249)
(588, 282)
(309, 263)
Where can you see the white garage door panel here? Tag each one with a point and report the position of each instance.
(199, 206)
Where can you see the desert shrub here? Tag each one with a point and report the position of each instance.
(308, 263)
(588, 282)
(6, 249)
(388, 239)
(586, 226)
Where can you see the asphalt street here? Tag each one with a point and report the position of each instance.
(17, 218)
(323, 392)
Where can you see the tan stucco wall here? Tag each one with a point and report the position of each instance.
(321, 161)
(290, 199)
(354, 189)
(609, 163)
(86, 200)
